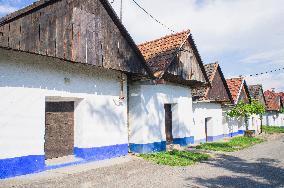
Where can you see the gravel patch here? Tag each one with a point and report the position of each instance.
(259, 166)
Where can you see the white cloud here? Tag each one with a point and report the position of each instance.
(230, 31)
(275, 57)
(268, 81)
(217, 25)
(6, 9)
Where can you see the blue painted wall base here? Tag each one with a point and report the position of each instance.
(184, 141)
(231, 134)
(100, 153)
(148, 148)
(215, 138)
(21, 165)
(36, 163)
(159, 146)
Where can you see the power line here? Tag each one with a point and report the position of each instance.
(267, 72)
(155, 19)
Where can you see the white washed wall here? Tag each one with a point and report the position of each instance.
(230, 125)
(26, 83)
(273, 119)
(204, 110)
(147, 114)
(255, 123)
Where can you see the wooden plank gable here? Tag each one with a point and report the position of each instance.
(218, 90)
(256, 92)
(244, 95)
(73, 30)
(186, 66)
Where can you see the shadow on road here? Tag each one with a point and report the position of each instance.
(264, 171)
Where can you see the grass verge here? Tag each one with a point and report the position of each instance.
(234, 144)
(272, 129)
(175, 158)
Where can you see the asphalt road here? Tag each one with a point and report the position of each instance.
(259, 166)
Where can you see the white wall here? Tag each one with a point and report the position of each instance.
(255, 123)
(204, 110)
(147, 114)
(230, 125)
(26, 82)
(273, 119)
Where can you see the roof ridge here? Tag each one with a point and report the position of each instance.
(164, 37)
(234, 78)
(212, 63)
(25, 10)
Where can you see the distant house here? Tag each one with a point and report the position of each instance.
(239, 91)
(160, 110)
(274, 103)
(207, 106)
(256, 93)
(65, 67)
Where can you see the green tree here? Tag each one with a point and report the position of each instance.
(245, 110)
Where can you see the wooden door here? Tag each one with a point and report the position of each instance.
(168, 123)
(59, 129)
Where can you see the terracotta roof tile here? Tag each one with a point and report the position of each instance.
(159, 53)
(234, 85)
(272, 100)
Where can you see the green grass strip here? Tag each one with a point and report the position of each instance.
(272, 129)
(234, 144)
(175, 158)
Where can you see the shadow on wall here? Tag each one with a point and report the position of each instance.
(154, 113)
(106, 113)
(265, 170)
(152, 108)
(55, 75)
(233, 123)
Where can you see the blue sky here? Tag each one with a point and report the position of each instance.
(245, 37)
(7, 6)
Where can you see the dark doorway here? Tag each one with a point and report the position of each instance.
(168, 123)
(206, 129)
(59, 129)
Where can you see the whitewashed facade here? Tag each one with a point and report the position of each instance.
(160, 110)
(273, 119)
(208, 106)
(147, 116)
(28, 82)
(207, 116)
(63, 85)
(239, 90)
(230, 125)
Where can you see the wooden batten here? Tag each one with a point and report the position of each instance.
(78, 31)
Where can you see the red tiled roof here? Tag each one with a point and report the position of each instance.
(272, 100)
(160, 52)
(234, 85)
